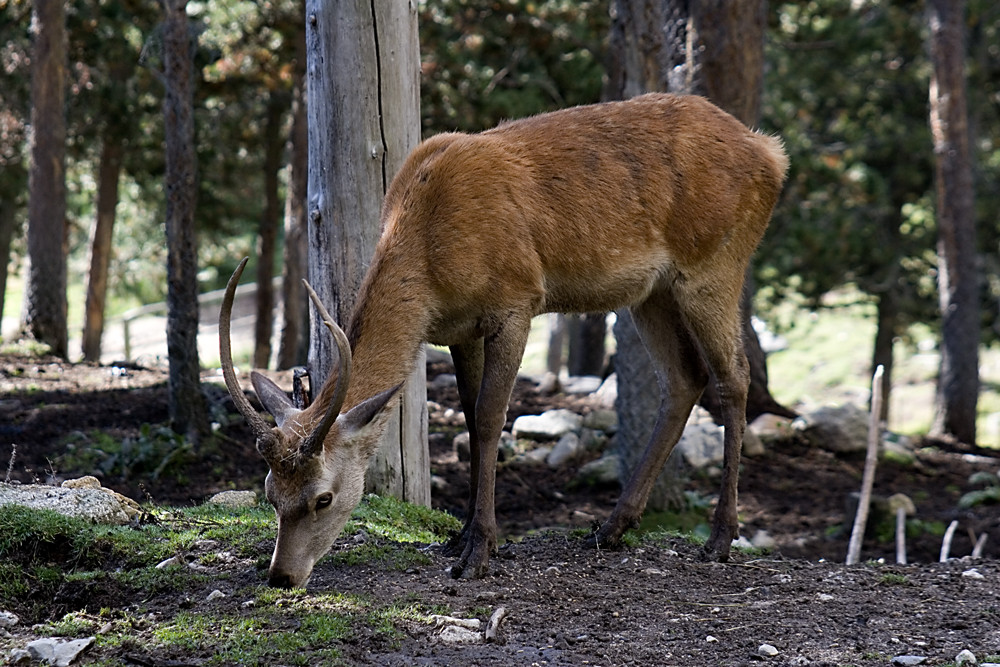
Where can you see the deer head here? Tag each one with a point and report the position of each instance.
(317, 456)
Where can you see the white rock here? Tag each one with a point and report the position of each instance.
(824, 597)
(603, 471)
(215, 595)
(763, 540)
(441, 620)
(711, 640)
(175, 560)
(973, 573)
(567, 447)
(767, 651)
(908, 660)
(582, 384)
(8, 619)
(840, 428)
(602, 420)
(84, 503)
(549, 425)
(966, 657)
(454, 634)
(701, 445)
(18, 656)
(234, 499)
(607, 395)
(538, 455)
(59, 653)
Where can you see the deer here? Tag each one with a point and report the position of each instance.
(654, 204)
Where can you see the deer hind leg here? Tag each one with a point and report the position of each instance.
(503, 348)
(682, 378)
(468, 359)
(716, 325)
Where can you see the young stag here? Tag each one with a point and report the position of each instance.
(653, 204)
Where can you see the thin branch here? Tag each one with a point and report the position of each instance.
(868, 478)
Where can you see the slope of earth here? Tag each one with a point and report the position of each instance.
(650, 604)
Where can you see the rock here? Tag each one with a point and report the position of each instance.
(506, 449)
(841, 429)
(567, 447)
(592, 440)
(752, 444)
(771, 427)
(763, 540)
(550, 425)
(898, 448)
(602, 420)
(581, 384)
(966, 657)
(605, 471)
(607, 395)
(973, 573)
(234, 499)
(8, 619)
(130, 507)
(175, 560)
(436, 355)
(215, 595)
(907, 660)
(18, 656)
(98, 505)
(701, 444)
(444, 381)
(87, 482)
(549, 384)
(462, 447)
(767, 651)
(59, 653)
(538, 455)
(454, 634)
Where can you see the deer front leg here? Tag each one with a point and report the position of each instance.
(468, 360)
(502, 353)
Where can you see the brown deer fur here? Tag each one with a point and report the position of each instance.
(655, 204)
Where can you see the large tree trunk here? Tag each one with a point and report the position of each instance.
(708, 47)
(188, 412)
(958, 383)
(363, 105)
(268, 237)
(8, 219)
(44, 314)
(293, 349)
(108, 174)
(586, 343)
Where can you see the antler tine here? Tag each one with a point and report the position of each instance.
(315, 439)
(257, 423)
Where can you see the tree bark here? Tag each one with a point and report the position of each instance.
(586, 343)
(44, 314)
(108, 175)
(885, 335)
(268, 237)
(363, 106)
(958, 383)
(293, 349)
(188, 413)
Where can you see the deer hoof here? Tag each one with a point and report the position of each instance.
(717, 547)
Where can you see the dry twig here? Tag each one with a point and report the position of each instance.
(868, 478)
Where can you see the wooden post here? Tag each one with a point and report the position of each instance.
(363, 66)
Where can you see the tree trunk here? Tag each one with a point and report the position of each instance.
(16, 174)
(958, 383)
(363, 105)
(293, 349)
(885, 334)
(188, 412)
(586, 343)
(557, 340)
(268, 237)
(108, 175)
(44, 314)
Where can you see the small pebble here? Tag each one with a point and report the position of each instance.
(908, 660)
(767, 651)
(215, 595)
(973, 574)
(966, 657)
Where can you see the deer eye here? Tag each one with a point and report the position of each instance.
(324, 501)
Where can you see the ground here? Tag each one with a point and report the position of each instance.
(657, 602)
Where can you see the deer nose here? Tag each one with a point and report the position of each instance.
(279, 580)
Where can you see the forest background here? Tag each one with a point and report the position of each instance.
(846, 86)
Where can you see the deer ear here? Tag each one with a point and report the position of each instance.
(273, 398)
(365, 412)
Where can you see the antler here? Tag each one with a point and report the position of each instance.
(259, 427)
(314, 441)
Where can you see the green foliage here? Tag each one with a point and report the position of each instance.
(156, 451)
(401, 522)
(990, 493)
(483, 62)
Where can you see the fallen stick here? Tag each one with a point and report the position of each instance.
(493, 625)
(946, 542)
(977, 551)
(868, 477)
(901, 535)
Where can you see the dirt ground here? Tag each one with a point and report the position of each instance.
(566, 604)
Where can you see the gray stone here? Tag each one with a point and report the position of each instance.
(752, 444)
(462, 447)
(602, 420)
(506, 449)
(234, 499)
(841, 429)
(607, 395)
(83, 503)
(549, 425)
(18, 656)
(592, 440)
(767, 651)
(604, 471)
(581, 384)
(8, 619)
(564, 450)
(701, 445)
(455, 634)
(966, 657)
(538, 455)
(59, 653)
(444, 381)
(908, 660)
